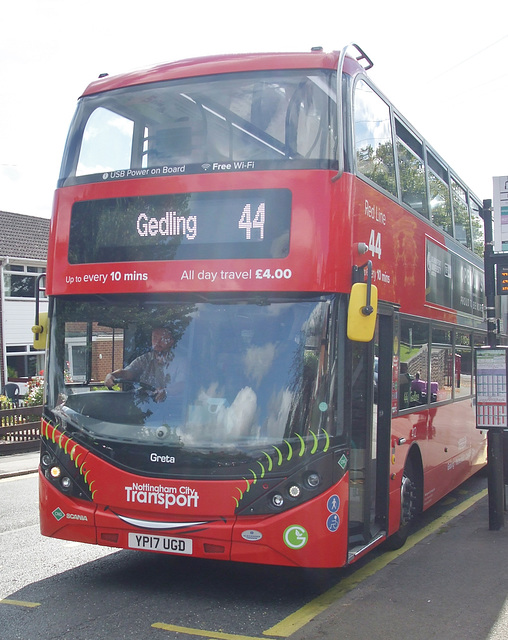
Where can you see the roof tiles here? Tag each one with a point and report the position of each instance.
(23, 236)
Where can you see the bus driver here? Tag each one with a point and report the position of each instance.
(156, 368)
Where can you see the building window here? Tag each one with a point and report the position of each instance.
(23, 362)
(20, 280)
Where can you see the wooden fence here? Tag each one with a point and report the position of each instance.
(19, 428)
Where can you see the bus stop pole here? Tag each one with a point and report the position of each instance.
(489, 263)
(494, 436)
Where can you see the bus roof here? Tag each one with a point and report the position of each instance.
(210, 65)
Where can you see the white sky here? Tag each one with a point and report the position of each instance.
(444, 65)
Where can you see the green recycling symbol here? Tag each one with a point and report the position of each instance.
(295, 537)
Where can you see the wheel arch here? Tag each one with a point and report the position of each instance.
(412, 476)
(414, 457)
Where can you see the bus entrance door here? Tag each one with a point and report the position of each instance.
(370, 437)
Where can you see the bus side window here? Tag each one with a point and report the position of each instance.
(461, 215)
(373, 138)
(476, 228)
(411, 170)
(440, 205)
(463, 379)
(404, 386)
(414, 363)
(442, 365)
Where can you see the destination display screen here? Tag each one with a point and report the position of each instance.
(186, 226)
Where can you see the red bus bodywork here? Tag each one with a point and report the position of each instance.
(330, 222)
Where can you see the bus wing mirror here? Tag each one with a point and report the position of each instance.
(40, 332)
(40, 328)
(361, 317)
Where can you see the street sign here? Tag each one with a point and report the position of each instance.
(501, 213)
(502, 280)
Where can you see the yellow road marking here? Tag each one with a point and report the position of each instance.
(216, 635)
(20, 603)
(303, 616)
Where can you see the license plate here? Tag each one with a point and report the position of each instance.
(160, 543)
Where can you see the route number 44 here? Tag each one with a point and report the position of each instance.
(258, 222)
(375, 243)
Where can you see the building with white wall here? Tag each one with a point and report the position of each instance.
(23, 255)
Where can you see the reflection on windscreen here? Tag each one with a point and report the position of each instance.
(160, 128)
(193, 375)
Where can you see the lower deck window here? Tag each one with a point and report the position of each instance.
(435, 363)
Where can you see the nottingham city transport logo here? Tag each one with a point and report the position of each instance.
(146, 493)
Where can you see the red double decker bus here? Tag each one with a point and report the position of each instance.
(264, 292)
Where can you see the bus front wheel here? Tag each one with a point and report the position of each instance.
(410, 506)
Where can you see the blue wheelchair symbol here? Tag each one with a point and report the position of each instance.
(333, 522)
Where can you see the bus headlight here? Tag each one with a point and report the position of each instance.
(56, 466)
(55, 472)
(277, 501)
(294, 491)
(46, 460)
(275, 495)
(313, 480)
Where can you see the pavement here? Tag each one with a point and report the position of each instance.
(19, 464)
(449, 584)
(450, 581)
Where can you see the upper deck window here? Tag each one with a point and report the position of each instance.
(461, 215)
(411, 170)
(440, 207)
(477, 228)
(373, 138)
(107, 142)
(214, 123)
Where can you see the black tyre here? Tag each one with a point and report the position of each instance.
(410, 507)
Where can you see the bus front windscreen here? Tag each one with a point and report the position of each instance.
(215, 380)
(221, 123)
